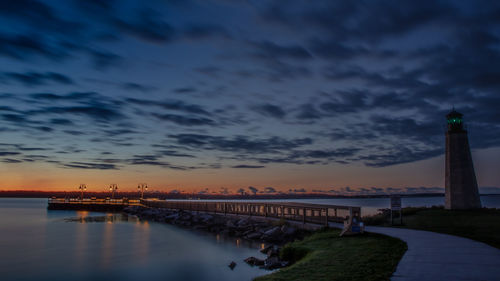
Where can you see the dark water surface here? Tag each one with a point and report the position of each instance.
(37, 244)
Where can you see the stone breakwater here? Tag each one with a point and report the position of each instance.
(273, 233)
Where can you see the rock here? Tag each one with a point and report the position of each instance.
(288, 230)
(254, 261)
(171, 217)
(242, 222)
(232, 265)
(274, 251)
(272, 263)
(247, 232)
(266, 249)
(230, 224)
(205, 217)
(253, 235)
(272, 234)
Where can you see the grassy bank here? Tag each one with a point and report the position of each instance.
(480, 225)
(326, 256)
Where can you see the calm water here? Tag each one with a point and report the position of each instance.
(36, 244)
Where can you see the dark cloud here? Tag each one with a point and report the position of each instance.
(239, 143)
(185, 120)
(131, 86)
(21, 47)
(92, 166)
(204, 31)
(61, 121)
(11, 161)
(38, 78)
(154, 160)
(175, 154)
(270, 50)
(248, 166)
(349, 21)
(98, 112)
(171, 105)
(279, 71)
(210, 71)
(73, 96)
(185, 90)
(270, 110)
(147, 25)
(37, 14)
(399, 155)
(8, 153)
(104, 59)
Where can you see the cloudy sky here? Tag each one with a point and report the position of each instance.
(290, 95)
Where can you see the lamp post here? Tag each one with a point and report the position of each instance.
(112, 188)
(141, 187)
(82, 188)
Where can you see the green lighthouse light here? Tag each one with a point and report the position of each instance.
(454, 120)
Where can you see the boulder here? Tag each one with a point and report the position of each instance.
(205, 217)
(273, 251)
(288, 230)
(242, 222)
(253, 235)
(272, 263)
(232, 265)
(266, 249)
(273, 233)
(254, 261)
(230, 224)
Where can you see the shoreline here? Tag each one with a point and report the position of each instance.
(272, 233)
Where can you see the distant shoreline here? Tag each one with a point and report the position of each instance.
(164, 195)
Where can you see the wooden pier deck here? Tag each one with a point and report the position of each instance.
(291, 211)
(294, 211)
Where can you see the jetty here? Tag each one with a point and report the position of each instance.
(290, 211)
(91, 204)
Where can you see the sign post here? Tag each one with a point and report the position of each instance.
(396, 206)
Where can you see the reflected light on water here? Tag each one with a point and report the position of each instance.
(142, 236)
(107, 244)
(82, 214)
(81, 243)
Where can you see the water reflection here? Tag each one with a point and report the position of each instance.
(80, 244)
(141, 241)
(107, 244)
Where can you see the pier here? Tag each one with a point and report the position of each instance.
(91, 204)
(291, 211)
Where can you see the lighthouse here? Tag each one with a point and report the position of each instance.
(461, 190)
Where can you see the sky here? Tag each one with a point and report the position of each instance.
(211, 96)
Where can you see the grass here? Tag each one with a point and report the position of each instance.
(324, 255)
(481, 225)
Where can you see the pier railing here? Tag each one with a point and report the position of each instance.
(302, 212)
(95, 201)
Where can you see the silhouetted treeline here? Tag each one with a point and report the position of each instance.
(169, 195)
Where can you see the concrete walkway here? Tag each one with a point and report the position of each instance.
(436, 256)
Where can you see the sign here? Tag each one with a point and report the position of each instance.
(396, 203)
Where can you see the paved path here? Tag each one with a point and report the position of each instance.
(436, 256)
